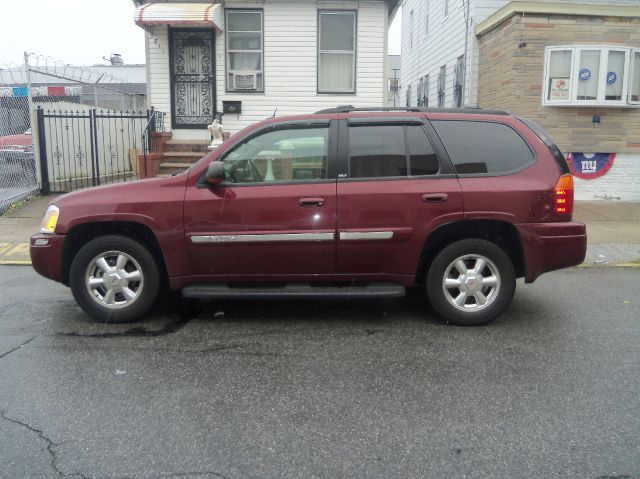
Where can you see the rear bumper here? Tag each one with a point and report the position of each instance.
(47, 258)
(551, 246)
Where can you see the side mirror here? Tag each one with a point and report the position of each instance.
(215, 173)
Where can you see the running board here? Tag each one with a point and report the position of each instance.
(224, 291)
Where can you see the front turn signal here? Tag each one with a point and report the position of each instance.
(50, 220)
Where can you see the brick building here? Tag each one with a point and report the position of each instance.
(575, 70)
(570, 65)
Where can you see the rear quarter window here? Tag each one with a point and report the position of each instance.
(476, 147)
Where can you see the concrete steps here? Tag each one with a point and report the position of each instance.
(180, 155)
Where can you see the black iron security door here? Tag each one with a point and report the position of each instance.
(192, 78)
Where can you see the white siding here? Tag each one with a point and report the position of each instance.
(158, 83)
(444, 43)
(290, 63)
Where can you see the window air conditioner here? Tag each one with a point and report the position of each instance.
(243, 80)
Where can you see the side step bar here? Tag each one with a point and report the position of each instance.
(224, 291)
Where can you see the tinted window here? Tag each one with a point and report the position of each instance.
(376, 151)
(423, 159)
(294, 154)
(483, 147)
(379, 151)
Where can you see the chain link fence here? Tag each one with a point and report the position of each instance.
(53, 85)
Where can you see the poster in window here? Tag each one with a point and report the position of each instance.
(559, 89)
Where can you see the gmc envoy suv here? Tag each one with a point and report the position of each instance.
(344, 202)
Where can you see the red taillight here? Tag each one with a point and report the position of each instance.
(564, 195)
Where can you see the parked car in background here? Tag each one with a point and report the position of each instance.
(16, 142)
(345, 202)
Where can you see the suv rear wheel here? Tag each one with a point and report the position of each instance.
(470, 282)
(114, 279)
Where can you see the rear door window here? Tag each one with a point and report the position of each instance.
(477, 147)
(377, 151)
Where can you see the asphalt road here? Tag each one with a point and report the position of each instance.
(324, 388)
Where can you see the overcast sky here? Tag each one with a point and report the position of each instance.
(82, 32)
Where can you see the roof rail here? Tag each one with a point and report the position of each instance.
(351, 108)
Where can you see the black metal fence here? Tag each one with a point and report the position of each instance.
(91, 147)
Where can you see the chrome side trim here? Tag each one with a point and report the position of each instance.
(365, 235)
(260, 238)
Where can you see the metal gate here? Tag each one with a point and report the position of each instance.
(192, 78)
(90, 147)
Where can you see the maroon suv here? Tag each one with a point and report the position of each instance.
(344, 202)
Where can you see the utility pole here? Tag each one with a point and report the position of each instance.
(35, 134)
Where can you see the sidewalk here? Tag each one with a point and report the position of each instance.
(613, 230)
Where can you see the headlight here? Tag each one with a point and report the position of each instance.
(50, 220)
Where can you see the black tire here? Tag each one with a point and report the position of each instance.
(121, 298)
(495, 282)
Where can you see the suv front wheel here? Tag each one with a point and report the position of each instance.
(470, 282)
(114, 279)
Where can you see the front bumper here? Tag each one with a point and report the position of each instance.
(551, 246)
(47, 258)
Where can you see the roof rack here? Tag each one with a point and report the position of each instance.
(351, 108)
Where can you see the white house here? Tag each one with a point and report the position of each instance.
(255, 58)
(439, 51)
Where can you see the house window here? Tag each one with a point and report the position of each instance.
(425, 96)
(419, 92)
(427, 6)
(337, 52)
(441, 83)
(591, 75)
(458, 82)
(244, 51)
(408, 99)
(635, 78)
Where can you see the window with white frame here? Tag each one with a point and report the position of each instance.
(336, 52)
(441, 85)
(425, 94)
(591, 75)
(427, 6)
(458, 82)
(244, 39)
(634, 96)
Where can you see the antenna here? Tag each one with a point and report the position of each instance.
(274, 113)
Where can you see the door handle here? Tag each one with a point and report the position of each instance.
(435, 197)
(311, 202)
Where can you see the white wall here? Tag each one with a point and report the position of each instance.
(290, 63)
(619, 183)
(443, 44)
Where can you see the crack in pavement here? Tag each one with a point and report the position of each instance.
(50, 448)
(50, 444)
(18, 347)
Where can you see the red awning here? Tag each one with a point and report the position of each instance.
(180, 14)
